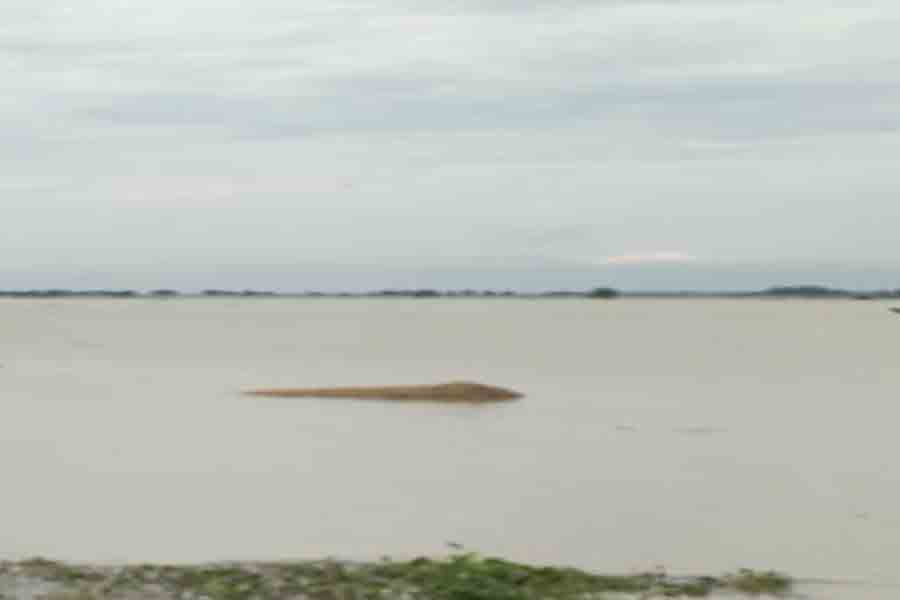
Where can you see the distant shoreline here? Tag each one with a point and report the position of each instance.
(600, 293)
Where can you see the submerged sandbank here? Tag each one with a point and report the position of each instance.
(455, 392)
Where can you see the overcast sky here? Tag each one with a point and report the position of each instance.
(289, 145)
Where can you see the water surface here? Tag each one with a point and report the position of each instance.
(699, 435)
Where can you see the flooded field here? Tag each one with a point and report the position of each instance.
(701, 436)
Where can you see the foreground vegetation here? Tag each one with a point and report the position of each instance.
(462, 577)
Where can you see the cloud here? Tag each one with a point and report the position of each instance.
(663, 257)
(197, 72)
(753, 129)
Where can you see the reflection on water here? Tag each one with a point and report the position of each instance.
(699, 435)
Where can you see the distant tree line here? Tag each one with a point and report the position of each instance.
(820, 291)
(242, 293)
(387, 293)
(803, 291)
(61, 293)
(600, 293)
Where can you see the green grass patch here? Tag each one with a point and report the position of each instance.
(759, 582)
(460, 577)
(51, 570)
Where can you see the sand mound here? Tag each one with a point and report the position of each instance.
(447, 392)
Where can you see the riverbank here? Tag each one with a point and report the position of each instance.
(461, 577)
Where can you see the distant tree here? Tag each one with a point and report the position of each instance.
(603, 292)
(425, 294)
(164, 293)
(803, 291)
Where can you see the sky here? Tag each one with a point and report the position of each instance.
(647, 144)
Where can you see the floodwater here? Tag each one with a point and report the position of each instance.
(697, 435)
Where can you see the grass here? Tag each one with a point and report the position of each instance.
(758, 583)
(461, 577)
(58, 571)
(71, 595)
(455, 392)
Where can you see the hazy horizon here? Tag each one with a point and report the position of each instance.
(360, 278)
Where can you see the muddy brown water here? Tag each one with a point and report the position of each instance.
(698, 435)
